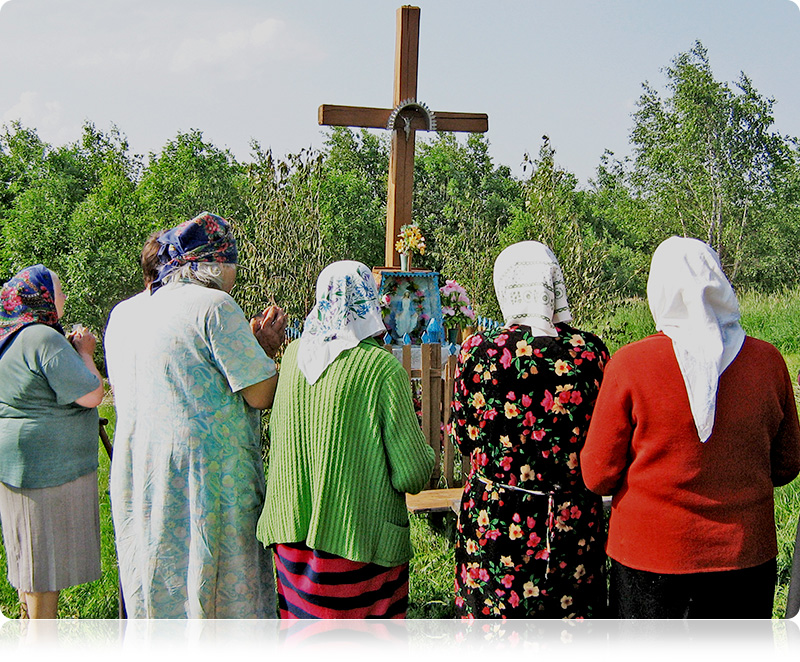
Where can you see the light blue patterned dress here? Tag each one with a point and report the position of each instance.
(187, 479)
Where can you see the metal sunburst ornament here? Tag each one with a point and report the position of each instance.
(391, 125)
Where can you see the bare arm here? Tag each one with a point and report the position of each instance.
(260, 395)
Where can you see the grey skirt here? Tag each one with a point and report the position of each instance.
(51, 534)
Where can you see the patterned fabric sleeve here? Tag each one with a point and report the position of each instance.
(235, 349)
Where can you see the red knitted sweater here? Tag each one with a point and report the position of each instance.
(681, 506)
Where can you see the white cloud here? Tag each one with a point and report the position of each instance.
(31, 111)
(270, 38)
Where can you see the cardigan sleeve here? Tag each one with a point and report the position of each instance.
(605, 455)
(785, 449)
(410, 459)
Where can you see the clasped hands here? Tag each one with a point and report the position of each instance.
(269, 328)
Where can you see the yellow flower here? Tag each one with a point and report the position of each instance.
(529, 590)
(524, 349)
(478, 401)
(506, 561)
(561, 367)
(483, 518)
(511, 409)
(473, 432)
(514, 531)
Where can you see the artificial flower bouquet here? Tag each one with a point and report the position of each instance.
(410, 240)
(456, 308)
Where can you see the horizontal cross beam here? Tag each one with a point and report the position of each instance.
(377, 118)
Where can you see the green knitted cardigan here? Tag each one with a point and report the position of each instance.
(343, 453)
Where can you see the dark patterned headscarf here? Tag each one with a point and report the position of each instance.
(28, 298)
(205, 238)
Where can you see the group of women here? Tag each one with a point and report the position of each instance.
(689, 430)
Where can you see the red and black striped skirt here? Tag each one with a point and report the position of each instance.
(315, 584)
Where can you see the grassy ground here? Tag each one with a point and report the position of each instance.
(776, 319)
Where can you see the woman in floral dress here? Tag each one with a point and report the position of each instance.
(530, 535)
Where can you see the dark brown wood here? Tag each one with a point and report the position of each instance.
(401, 160)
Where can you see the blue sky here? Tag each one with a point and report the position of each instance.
(258, 69)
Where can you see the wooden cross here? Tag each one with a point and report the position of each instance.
(404, 119)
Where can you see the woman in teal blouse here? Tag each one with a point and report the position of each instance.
(48, 444)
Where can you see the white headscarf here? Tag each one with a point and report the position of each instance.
(530, 287)
(693, 303)
(346, 312)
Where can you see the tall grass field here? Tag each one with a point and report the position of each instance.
(774, 318)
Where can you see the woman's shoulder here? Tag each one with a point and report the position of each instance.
(581, 338)
(37, 336)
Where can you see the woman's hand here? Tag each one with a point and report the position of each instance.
(83, 340)
(269, 328)
(84, 343)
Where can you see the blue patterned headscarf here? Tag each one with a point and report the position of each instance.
(28, 298)
(346, 312)
(205, 238)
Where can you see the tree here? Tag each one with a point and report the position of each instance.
(353, 177)
(190, 176)
(706, 160)
(556, 213)
(281, 239)
(106, 229)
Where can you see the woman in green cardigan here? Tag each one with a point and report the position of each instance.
(345, 447)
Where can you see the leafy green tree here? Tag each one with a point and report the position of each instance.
(44, 187)
(556, 213)
(352, 196)
(107, 229)
(190, 176)
(706, 160)
(281, 239)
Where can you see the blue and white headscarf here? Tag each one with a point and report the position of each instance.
(346, 312)
(205, 238)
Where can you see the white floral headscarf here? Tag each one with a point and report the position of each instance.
(530, 288)
(693, 303)
(346, 312)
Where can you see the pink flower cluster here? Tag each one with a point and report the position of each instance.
(456, 306)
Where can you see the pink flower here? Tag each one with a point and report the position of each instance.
(505, 359)
(507, 580)
(547, 403)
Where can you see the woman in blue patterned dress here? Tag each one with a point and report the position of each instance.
(530, 535)
(187, 479)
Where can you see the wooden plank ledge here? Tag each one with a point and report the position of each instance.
(435, 501)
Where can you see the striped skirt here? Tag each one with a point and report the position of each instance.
(315, 584)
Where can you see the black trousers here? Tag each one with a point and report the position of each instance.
(746, 593)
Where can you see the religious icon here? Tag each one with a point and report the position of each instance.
(410, 303)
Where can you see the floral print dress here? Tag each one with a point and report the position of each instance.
(530, 535)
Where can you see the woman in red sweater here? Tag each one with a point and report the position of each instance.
(692, 429)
